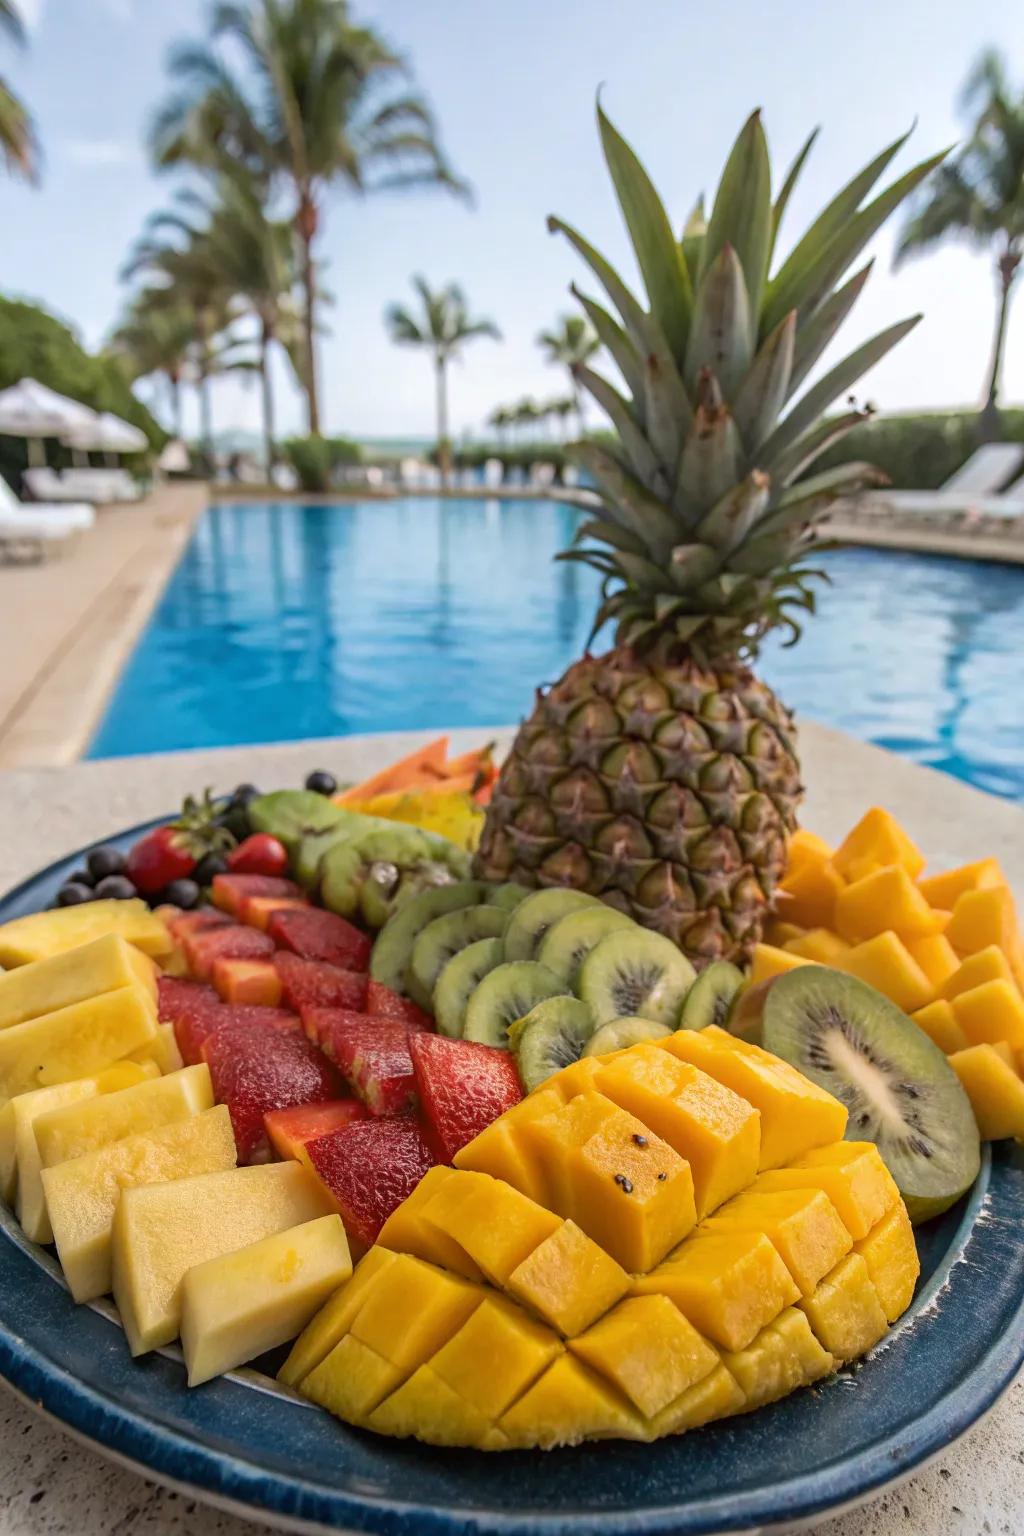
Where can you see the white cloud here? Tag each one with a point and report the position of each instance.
(101, 152)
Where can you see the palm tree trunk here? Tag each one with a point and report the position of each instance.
(444, 447)
(206, 415)
(307, 220)
(267, 390)
(174, 380)
(1007, 270)
(577, 400)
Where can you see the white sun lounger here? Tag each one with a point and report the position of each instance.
(974, 488)
(29, 532)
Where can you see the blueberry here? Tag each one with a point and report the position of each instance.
(105, 861)
(80, 877)
(183, 893)
(322, 783)
(72, 892)
(116, 888)
(243, 794)
(212, 864)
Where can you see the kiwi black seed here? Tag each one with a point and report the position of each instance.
(635, 972)
(389, 962)
(506, 994)
(568, 942)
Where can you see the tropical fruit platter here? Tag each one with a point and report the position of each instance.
(494, 1107)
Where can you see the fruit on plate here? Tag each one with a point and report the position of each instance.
(312, 984)
(425, 774)
(75, 1041)
(231, 891)
(994, 1087)
(82, 1195)
(258, 854)
(290, 1131)
(172, 852)
(371, 1054)
(462, 1088)
(323, 936)
(238, 1305)
(257, 1070)
(663, 775)
(393, 948)
(242, 983)
(383, 1003)
(43, 934)
(373, 873)
(203, 948)
(191, 1009)
(574, 1297)
(73, 976)
(74, 1129)
(900, 1091)
(369, 1167)
(161, 1231)
(161, 1051)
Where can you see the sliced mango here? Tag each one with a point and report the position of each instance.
(988, 964)
(568, 1280)
(648, 1350)
(884, 900)
(808, 895)
(569, 1404)
(785, 1355)
(936, 957)
(890, 1253)
(995, 1090)
(943, 891)
(885, 963)
(939, 1023)
(990, 1013)
(495, 1356)
(853, 1176)
(877, 840)
(820, 945)
(806, 847)
(981, 918)
(802, 1224)
(845, 1312)
(491, 1222)
(729, 1284)
(769, 961)
(333, 1321)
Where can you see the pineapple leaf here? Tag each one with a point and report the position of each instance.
(742, 214)
(641, 512)
(786, 190)
(815, 336)
(624, 354)
(766, 386)
(692, 242)
(639, 454)
(692, 564)
(597, 559)
(721, 335)
(641, 574)
(665, 274)
(792, 464)
(609, 533)
(667, 410)
(740, 509)
(764, 554)
(711, 462)
(832, 219)
(839, 379)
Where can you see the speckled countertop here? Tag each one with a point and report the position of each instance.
(50, 1485)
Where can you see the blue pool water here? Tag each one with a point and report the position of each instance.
(285, 621)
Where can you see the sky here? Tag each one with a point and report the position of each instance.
(513, 87)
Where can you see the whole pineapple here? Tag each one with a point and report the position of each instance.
(663, 775)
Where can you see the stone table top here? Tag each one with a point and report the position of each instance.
(51, 1485)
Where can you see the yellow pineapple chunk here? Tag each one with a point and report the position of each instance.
(351, 1380)
(45, 986)
(432, 1304)
(943, 891)
(23, 1168)
(44, 934)
(491, 1222)
(406, 1231)
(785, 1355)
(802, 1224)
(890, 1253)
(988, 964)
(877, 840)
(853, 1176)
(648, 1350)
(981, 918)
(806, 848)
(995, 1090)
(939, 1023)
(936, 957)
(886, 900)
(568, 1280)
(768, 961)
(886, 964)
(567, 1405)
(796, 1114)
(845, 1312)
(334, 1319)
(162, 1050)
(426, 1405)
(713, 1398)
(75, 1041)
(808, 894)
(820, 945)
(495, 1356)
(990, 1013)
(71, 1130)
(728, 1284)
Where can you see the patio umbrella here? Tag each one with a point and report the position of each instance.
(33, 411)
(108, 434)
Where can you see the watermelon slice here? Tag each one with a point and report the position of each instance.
(290, 1129)
(311, 984)
(316, 935)
(256, 1070)
(370, 1167)
(192, 1009)
(462, 1088)
(232, 942)
(196, 922)
(372, 1054)
(382, 1003)
(230, 892)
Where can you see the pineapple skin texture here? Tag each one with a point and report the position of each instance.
(489, 1319)
(666, 790)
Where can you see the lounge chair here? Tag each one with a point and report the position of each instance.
(973, 489)
(40, 525)
(80, 485)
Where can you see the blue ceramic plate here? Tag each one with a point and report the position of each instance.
(240, 1441)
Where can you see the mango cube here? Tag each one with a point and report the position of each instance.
(568, 1280)
(806, 847)
(878, 840)
(796, 1114)
(73, 1129)
(981, 918)
(853, 1176)
(886, 900)
(648, 1350)
(426, 1403)
(432, 1303)
(845, 1312)
(808, 895)
(713, 1398)
(818, 944)
(45, 986)
(333, 1321)
(802, 1224)
(716, 1131)
(495, 1356)
(238, 1305)
(351, 1380)
(995, 1090)
(728, 1284)
(491, 1222)
(943, 891)
(890, 1253)
(44, 934)
(939, 1023)
(75, 1041)
(567, 1405)
(785, 1355)
(406, 1231)
(769, 961)
(936, 957)
(990, 1013)
(162, 1230)
(502, 1152)
(886, 964)
(988, 964)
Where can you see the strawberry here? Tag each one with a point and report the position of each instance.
(172, 852)
(259, 854)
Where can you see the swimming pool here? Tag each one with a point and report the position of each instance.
(285, 621)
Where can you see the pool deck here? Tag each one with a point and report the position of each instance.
(54, 1485)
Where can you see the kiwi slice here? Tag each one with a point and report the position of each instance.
(635, 972)
(442, 939)
(308, 855)
(901, 1092)
(533, 917)
(292, 814)
(459, 980)
(392, 952)
(508, 895)
(551, 1036)
(507, 993)
(371, 875)
(710, 999)
(568, 942)
(618, 1033)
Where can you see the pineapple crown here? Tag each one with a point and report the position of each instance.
(707, 510)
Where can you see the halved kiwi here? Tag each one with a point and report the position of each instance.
(568, 942)
(393, 949)
(460, 979)
(550, 1037)
(900, 1090)
(506, 994)
(710, 999)
(292, 814)
(374, 873)
(533, 917)
(442, 939)
(635, 972)
(617, 1034)
(508, 895)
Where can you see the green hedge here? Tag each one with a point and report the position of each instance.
(918, 453)
(315, 459)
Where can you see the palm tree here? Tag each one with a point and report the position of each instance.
(314, 107)
(562, 409)
(444, 325)
(19, 148)
(156, 336)
(500, 419)
(978, 196)
(570, 344)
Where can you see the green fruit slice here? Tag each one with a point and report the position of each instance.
(504, 996)
(568, 942)
(533, 917)
(292, 814)
(508, 895)
(635, 972)
(372, 875)
(459, 980)
(551, 1036)
(710, 999)
(392, 952)
(900, 1090)
(617, 1034)
(442, 939)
